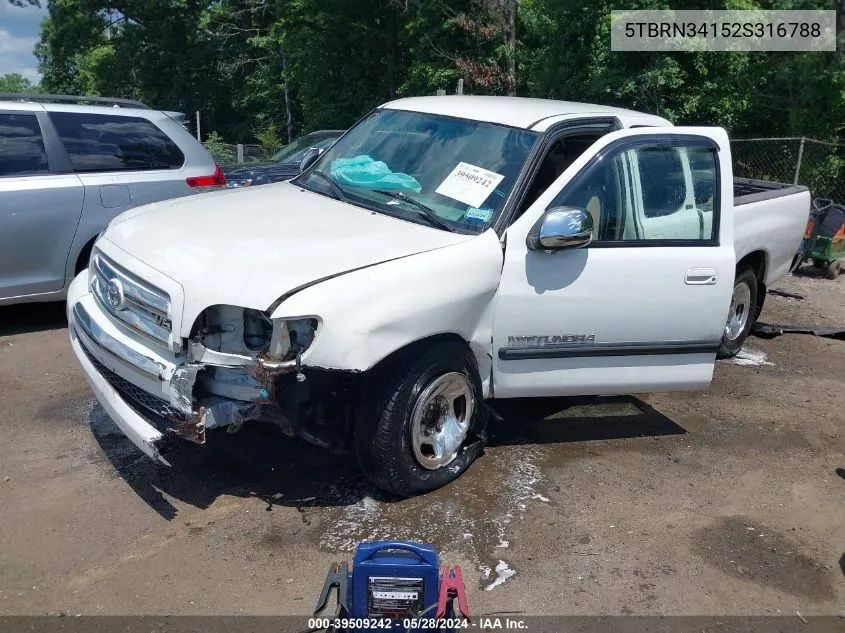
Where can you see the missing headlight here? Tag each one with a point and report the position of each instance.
(258, 330)
(292, 337)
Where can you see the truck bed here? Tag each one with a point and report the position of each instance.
(769, 217)
(747, 190)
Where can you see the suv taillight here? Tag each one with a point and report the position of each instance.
(215, 180)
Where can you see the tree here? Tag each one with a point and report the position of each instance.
(269, 140)
(474, 40)
(507, 11)
(306, 64)
(565, 54)
(343, 58)
(152, 50)
(14, 82)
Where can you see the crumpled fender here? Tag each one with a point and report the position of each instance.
(370, 313)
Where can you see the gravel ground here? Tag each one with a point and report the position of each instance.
(730, 501)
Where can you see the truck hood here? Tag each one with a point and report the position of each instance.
(248, 247)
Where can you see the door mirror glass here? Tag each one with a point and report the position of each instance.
(561, 227)
(311, 155)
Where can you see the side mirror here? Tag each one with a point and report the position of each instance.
(561, 227)
(311, 155)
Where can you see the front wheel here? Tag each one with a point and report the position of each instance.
(742, 313)
(423, 421)
(833, 269)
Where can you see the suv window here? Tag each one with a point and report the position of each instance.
(21, 146)
(101, 142)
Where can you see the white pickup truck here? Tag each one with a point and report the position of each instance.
(446, 251)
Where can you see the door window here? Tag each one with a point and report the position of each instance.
(21, 146)
(102, 142)
(653, 192)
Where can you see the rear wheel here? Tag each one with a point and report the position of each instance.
(833, 269)
(742, 313)
(423, 422)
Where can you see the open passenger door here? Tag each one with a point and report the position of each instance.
(638, 302)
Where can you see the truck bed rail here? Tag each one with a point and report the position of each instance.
(747, 190)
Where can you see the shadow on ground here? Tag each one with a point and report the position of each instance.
(564, 420)
(32, 317)
(259, 461)
(808, 270)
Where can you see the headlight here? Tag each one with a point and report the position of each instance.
(92, 267)
(292, 337)
(91, 270)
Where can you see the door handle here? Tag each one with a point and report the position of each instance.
(701, 277)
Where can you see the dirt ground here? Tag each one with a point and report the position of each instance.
(730, 501)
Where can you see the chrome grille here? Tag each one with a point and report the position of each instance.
(142, 307)
(146, 404)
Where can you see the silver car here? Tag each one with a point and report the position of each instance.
(67, 169)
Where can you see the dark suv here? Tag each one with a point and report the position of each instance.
(283, 165)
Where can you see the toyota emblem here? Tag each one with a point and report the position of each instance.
(114, 290)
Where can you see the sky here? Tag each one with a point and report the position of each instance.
(19, 28)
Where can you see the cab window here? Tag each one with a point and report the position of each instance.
(560, 156)
(652, 192)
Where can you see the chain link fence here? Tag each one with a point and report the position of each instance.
(803, 161)
(231, 153)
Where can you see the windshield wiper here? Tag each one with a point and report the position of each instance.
(428, 212)
(338, 189)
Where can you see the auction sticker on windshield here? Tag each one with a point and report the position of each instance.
(469, 184)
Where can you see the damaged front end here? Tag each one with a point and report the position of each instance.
(237, 365)
(241, 366)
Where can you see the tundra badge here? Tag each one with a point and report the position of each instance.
(558, 339)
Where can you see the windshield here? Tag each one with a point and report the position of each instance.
(294, 151)
(450, 173)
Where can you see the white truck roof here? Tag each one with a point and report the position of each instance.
(521, 112)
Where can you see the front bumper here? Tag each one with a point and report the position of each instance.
(148, 391)
(134, 426)
(148, 394)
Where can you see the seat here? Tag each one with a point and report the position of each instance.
(594, 209)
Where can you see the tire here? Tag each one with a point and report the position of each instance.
(833, 269)
(389, 452)
(738, 324)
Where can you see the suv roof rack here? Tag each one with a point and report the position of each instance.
(26, 96)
